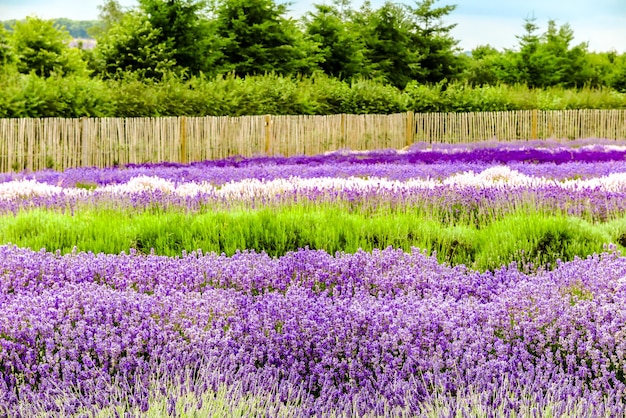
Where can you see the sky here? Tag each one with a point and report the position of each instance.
(600, 23)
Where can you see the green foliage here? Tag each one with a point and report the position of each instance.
(486, 66)
(133, 97)
(170, 58)
(181, 29)
(341, 50)
(43, 49)
(545, 60)
(617, 78)
(7, 55)
(462, 97)
(389, 44)
(440, 59)
(132, 46)
(394, 43)
(530, 238)
(253, 95)
(130, 95)
(10, 104)
(28, 95)
(199, 96)
(404, 44)
(327, 95)
(254, 37)
(548, 60)
(272, 94)
(366, 96)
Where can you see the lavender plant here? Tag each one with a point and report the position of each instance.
(528, 237)
(579, 159)
(349, 333)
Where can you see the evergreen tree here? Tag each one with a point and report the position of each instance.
(389, 43)
(409, 43)
(132, 45)
(547, 59)
(182, 27)
(431, 37)
(254, 37)
(341, 48)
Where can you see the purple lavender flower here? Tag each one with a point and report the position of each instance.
(366, 326)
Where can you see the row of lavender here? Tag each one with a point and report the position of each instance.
(541, 159)
(366, 330)
(496, 191)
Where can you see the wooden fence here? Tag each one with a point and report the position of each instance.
(58, 143)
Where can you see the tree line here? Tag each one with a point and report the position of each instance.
(396, 47)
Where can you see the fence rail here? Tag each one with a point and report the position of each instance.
(35, 144)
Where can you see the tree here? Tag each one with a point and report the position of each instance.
(548, 60)
(409, 43)
(253, 37)
(573, 65)
(617, 78)
(43, 48)
(389, 43)
(182, 27)
(482, 66)
(132, 45)
(431, 37)
(340, 48)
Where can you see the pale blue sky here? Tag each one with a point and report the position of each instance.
(601, 23)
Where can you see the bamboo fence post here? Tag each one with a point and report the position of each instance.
(85, 138)
(533, 128)
(268, 134)
(410, 128)
(183, 140)
(30, 140)
(549, 122)
(343, 139)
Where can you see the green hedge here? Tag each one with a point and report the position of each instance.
(74, 96)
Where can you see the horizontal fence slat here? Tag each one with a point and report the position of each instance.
(60, 143)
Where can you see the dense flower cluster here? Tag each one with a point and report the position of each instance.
(349, 330)
(496, 190)
(493, 177)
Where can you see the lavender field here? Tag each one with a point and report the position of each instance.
(451, 281)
